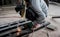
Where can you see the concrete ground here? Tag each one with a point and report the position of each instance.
(7, 16)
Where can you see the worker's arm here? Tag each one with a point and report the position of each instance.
(37, 6)
(44, 7)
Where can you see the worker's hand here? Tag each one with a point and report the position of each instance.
(19, 8)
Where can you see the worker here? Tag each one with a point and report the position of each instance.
(41, 10)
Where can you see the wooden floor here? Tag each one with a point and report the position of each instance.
(54, 10)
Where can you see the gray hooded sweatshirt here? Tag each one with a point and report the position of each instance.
(41, 8)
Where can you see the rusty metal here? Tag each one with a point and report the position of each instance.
(11, 28)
